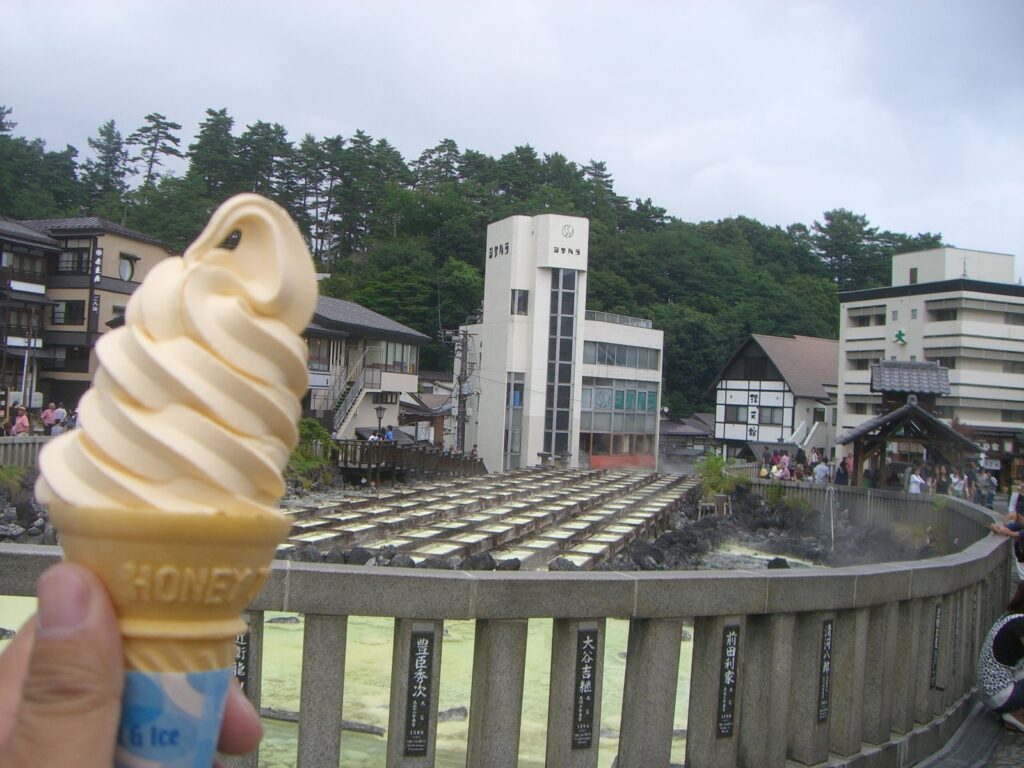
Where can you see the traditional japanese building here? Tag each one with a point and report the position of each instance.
(778, 390)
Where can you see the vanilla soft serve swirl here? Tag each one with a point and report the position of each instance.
(195, 402)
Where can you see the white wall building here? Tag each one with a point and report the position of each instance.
(548, 378)
(957, 307)
(777, 389)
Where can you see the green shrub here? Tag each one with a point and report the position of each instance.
(713, 477)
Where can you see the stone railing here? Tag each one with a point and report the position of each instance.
(21, 451)
(854, 666)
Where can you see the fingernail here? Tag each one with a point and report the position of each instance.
(63, 602)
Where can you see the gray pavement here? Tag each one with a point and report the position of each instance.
(983, 741)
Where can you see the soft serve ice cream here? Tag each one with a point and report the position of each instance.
(169, 489)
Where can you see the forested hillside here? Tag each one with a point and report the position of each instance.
(406, 238)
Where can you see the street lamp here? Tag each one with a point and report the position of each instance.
(380, 415)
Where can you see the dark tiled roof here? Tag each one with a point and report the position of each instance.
(924, 421)
(921, 378)
(806, 363)
(89, 225)
(356, 319)
(13, 230)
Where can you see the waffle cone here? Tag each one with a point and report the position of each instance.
(179, 582)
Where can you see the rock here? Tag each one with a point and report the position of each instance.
(6, 634)
(305, 553)
(609, 733)
(484, 561)
(454, 714)
(359, 556)
(49, 535)
(26, 512)
(777, 562)
(639, 551)
(336, 555)
(402, 560)
(11, 531)
(678, 733)
(284, 620)
(512, 564)
(454, 563)
(388, 552)
(687, 636)
(432, 561)
(563, 564)
(8, 515)
(378, 561)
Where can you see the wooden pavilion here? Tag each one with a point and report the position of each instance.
(909, 391)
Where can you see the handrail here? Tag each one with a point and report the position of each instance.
(900, 639)
(354, 376)
(611, 317)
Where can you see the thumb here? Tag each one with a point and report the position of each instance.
(71, 701)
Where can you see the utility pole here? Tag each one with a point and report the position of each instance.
(460, 423)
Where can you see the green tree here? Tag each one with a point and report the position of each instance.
(106, 174)
(156, 140)
(213, 156)
(845, 244)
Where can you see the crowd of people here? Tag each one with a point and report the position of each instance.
(53, 420)
(966, 482)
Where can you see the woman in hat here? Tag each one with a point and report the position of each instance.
(20, 422)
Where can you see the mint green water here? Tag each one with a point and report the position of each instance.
(368, 684)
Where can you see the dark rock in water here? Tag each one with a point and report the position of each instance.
(402, 560)
(512, 564)
(388, 552)
(336, 555)
(678, 733)
(284, 620)
(687, 636)
(640, 551)
(454, 562)
(6, 634)
(26, 512)
(305, 553)
(359, 556)
(563, 564)
(777, 562)
(432, 561)
(609, 733)
(8, 515)
(11, 531)
(378, 560)
(454, 714)
(484, 561)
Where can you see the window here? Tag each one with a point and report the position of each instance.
(735, 414)
(913, 314)
(860, 408)
(940, 315)
(68, 313)
(126, 266)
(1013, 366)
(895, 314)
(861, 364)
(319, 354)
(1013, 318)
(1012, 415)
(945, 362)
(770, 415)
(819, 415)
(520, 302)
(74, 259)
(913, 275)
(860, 321)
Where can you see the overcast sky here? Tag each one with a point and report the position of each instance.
(908, 112)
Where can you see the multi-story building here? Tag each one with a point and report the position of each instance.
(72, 281)
(544, 377)
(957, 307)
(777, 390)
(359, 361)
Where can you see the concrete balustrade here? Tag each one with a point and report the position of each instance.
(855, 666)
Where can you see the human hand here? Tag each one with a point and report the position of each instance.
(61, 680)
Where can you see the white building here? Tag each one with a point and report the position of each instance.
(957, 307)
(777, 390)
(549, 379)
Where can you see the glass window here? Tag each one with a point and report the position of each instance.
(126, 266)
(589, 352)
(602, 422)
(736, 414)
(630, 400)
(587, 398)
(770, 415)
(641, 401)
(620, 399)
(602, 445)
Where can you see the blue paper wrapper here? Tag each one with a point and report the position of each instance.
(171, 720)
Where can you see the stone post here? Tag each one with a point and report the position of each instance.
(323, 687)
(810, 693)
(496, 699)
(574, 696)
(765, 677)
(716, 704)
(879, 672)
(851, 644)
(905, 673)
(415, 683)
